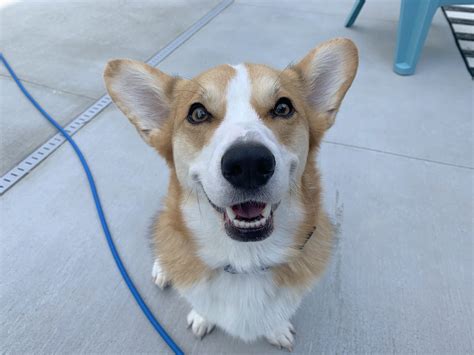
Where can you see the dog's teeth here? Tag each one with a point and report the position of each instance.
(267, 210)
(244, 224)
(230, 213)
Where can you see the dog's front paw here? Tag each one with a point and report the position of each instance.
(159, 277)
(282, 336)
(199, 325)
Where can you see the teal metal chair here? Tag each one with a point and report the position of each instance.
(413, 25)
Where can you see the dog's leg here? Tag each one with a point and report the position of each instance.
(159, 276)
(282, 336)
(199, 325)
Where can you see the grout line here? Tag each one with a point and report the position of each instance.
(313, 11)
(6, 76)
(399, 155)
(24, 167)
(316, 11)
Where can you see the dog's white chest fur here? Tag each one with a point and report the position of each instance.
(244, 305)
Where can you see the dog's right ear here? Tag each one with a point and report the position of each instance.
(142, 93)
(327, 72)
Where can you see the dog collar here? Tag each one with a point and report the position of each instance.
(231, 270)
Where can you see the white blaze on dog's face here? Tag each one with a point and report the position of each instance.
(238, 135)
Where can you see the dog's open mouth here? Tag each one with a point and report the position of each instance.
(249, 221)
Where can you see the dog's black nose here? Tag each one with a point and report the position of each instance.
(248, 165)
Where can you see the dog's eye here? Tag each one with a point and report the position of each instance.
(283, 108)
(198, 114)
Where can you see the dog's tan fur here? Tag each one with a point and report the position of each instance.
(174, 244)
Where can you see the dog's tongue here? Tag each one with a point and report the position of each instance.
(248, 210)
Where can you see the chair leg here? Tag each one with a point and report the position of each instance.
(413, 26)
(354, 12)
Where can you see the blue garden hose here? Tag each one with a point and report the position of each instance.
(100, 212)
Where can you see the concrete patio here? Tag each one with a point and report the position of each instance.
(397, 170)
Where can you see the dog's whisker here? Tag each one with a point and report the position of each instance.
(276, 83)
(188, 195)
(195, 82)
(199, 203)
(177, 93)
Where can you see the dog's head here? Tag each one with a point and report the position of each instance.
(240, 135)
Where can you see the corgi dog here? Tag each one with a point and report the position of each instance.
(243, 235)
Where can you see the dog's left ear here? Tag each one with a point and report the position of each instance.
(327, 72)
(142, 93)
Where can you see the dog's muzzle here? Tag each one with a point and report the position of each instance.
(248, 167)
